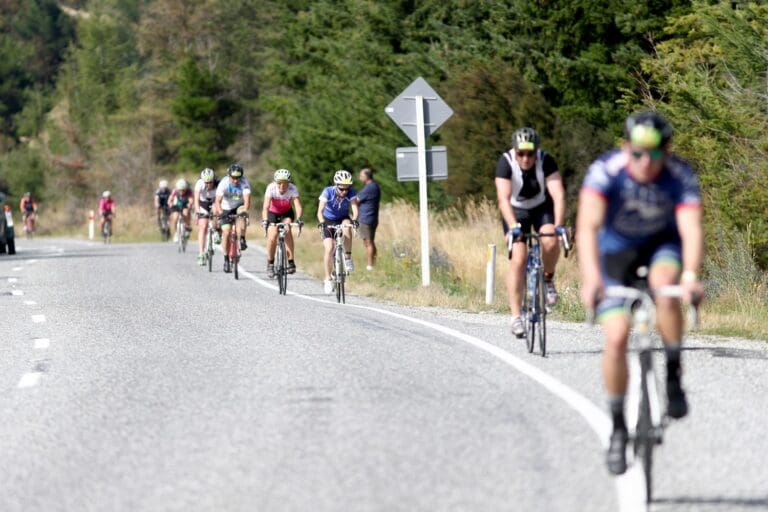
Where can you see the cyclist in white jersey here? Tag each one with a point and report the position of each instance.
(281, 204)
(205, 195)
(233, 196)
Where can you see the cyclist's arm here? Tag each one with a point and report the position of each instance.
(590, 217)
(320, 207)
(504, 196)
(246, 200)
(557, 192)
(297, 208)
(265, 206)
(196, 201)
(692, 236)
(217, 203)
(354, 206)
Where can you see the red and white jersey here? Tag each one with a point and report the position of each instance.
(280, 203)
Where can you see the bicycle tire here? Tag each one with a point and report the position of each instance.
(542, 312)
(529, 310)
(280, 267)
(209, 250)
(107, 231)
(644, 431)
(338, 270)
(179, 233)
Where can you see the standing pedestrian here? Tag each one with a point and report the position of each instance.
(369, 198)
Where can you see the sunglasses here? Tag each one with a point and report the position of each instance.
(653, 154)
(342, 189)
(523, 154)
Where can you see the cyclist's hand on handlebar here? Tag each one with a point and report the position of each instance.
(300, 223)
(355, 223)
(515, 231)
(264, 224)
(560, 230)
(321, 225)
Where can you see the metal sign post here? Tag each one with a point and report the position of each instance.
(430, 112)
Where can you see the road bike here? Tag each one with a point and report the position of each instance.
(339, 272)
(281, 255)
(645, 418)
(181, 234)
(29, 224)
(210, 231)
(535, 297)
(106, 232)
(163, 223)
(231, 245)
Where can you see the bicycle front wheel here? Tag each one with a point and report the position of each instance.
(529, 312)
(645, 438)
(282, 270)
(338, 266)
(542, 313)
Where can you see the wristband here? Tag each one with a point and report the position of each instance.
(688, 276)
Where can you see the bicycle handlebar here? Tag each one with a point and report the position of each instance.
(646, 298)
(564, 238)
(267, 225)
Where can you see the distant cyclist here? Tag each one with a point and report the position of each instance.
(337, 206)
(205, 195)
(530, 193)
(106, 208)
(162, 194)
(28, 208)
(281, 204)
(233, 196)
(639, 206)
(180, 202)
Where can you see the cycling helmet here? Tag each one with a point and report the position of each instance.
(163, 184)
(106, 193)
(207, 175)
(27, 194)
(235, 171)
(648, 130)
(282, 175)
(342, 177)
(526, 139)
(182, 184)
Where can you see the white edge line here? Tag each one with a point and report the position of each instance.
(630, 486)
(30, 379)
(17, 293)
(42, 343)
(38, 319)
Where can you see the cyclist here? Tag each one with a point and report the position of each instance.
(180, 202)
(530, 193)
(233, 196)
(334, 208)
(162, 194)
(639, 206)
(279, 198)
(106, 208)
(204, 196)
(28, 208)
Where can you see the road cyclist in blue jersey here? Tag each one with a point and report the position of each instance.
(233, 197)
(531, 196)
(204, 196)
(337, 205)
(639, 213)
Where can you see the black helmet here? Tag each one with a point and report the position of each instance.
(525, 138)
(647, 129)
(235, 171)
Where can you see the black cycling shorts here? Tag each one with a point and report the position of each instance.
(534, 218)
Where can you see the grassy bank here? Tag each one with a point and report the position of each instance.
(737, 303)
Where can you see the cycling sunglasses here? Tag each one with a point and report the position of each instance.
(653, 154)
(523, 154)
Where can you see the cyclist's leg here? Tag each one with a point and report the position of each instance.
(202, 230)
(328, 247)
(288, 218)
(516, 275)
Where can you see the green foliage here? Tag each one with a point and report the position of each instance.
(23, 170)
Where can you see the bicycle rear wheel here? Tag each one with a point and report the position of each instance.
(645, 438)
(338, 270)
(280, 266)
(542, 313)
(529, 316)
(179, 233)
(210, 251)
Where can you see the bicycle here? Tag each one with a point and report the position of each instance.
(106, 232)
(163, 216)
(231, 246)
(181, 234)
(281, 255)
(646, 420)
(339, 272)
(535, 297)
(208, 250)
(29, 224)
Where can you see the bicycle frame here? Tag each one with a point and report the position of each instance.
(339, 272)
(231, 245)
(281, 254)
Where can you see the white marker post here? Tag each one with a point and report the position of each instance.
(423, 204)
(490, 273)
(91, 224)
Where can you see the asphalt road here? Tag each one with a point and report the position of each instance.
(131, 379)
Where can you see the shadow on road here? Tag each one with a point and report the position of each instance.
(715, 502)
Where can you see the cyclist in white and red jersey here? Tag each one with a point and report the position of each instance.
(106, 208)
(281, 204)
(205, 195)
(180, 202)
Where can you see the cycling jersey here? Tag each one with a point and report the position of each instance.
(28, 205)
(336, 207)
(280, 203)
(162, 195)
(640, 213)
(529, 188)
(233, 195)
(180, 198)
(106, 205)
(206, 194)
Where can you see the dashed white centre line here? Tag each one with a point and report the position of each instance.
(29, 303)
(31, 261)
(13, 280)
(38, 319)
(42, 343)
(17, 292)
(30, 379)
(17, 269)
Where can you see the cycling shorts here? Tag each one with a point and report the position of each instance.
(205, 207)
(328, 232)
(621, 268)
(273, 217)
(534, 218)
(226, 216)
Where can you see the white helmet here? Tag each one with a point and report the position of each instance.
(163, 184)
(342, 177)
(182, 184)
(282, 175)
(106, 194)
(207, 175)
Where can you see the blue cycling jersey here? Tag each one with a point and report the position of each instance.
(336, 207)
(638, 213)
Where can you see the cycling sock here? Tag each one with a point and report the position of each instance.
(549, 276)
(270, 262)
(672, 351)
(290, 261)
(349, 254)
(616, 405)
